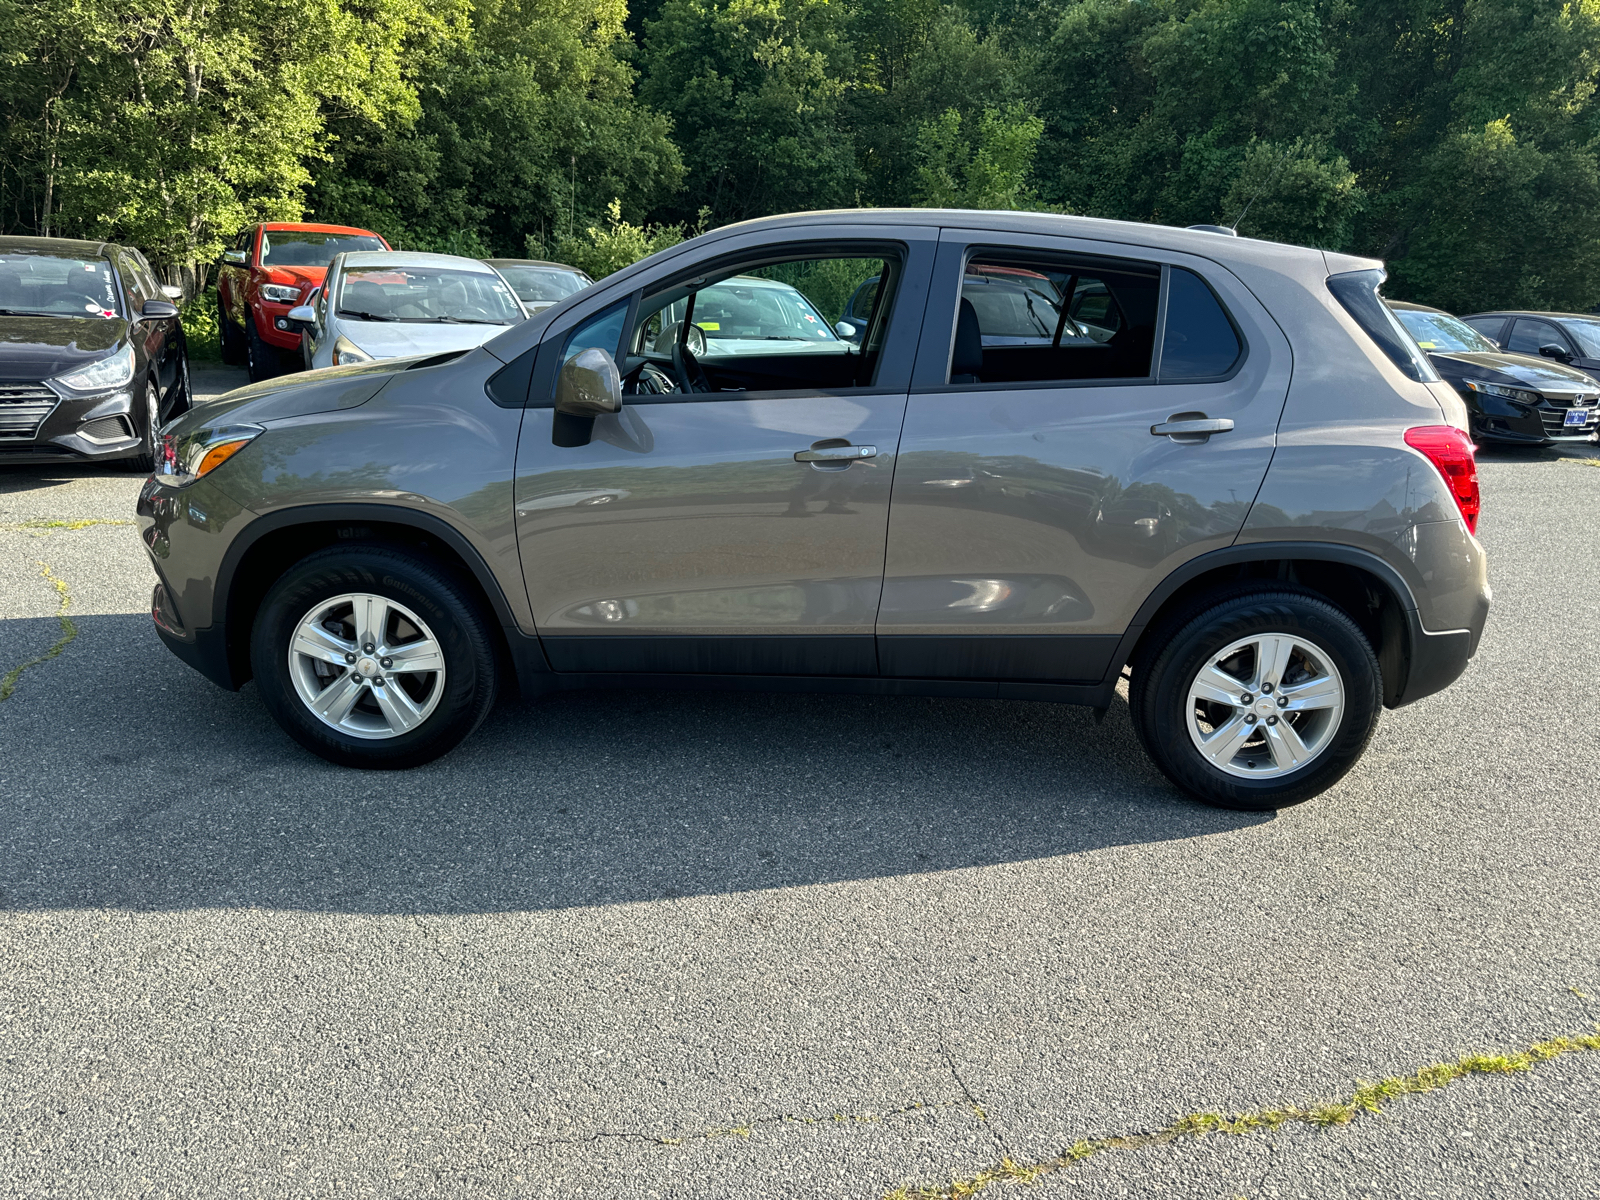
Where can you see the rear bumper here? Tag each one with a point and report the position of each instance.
(1436, 660)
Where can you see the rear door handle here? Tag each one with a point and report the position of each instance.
(1191, 427)
(836, 454)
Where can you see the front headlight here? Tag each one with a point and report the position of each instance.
(281, 293)
(346, 352)
(1520, 395)
(183, 460)
(111, 372)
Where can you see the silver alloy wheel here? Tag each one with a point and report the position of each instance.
(367, 666)
(1265, 705)
(152, 416)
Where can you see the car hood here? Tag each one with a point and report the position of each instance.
(1540, 373)
(298, 395)
(295, 276)
(724, 347)
(34, 348)
(383, 339)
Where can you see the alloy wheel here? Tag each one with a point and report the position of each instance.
(1265, 705)
(367, 666)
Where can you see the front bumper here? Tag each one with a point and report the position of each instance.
(1510, 422)
(267, 315)
(43, 424)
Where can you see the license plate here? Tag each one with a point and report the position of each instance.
(1578, 416)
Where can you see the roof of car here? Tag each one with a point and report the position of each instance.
(414, 258)
(1525, 312)
(314, 228)
(60, 245)
(1408, 306)
(532, 262)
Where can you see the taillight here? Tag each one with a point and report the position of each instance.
(1447, 448)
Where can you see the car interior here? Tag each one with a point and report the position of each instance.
(760, 327)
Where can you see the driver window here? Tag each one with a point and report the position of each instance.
(801, 325)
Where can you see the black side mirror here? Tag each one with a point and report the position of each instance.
(158, 310)
(1559, 353)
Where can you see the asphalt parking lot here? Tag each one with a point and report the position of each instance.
(677, 945)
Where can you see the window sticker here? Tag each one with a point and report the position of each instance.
(712, 325)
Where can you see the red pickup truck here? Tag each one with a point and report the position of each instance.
(267, 271)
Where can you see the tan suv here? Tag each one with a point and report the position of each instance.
(1219, 463)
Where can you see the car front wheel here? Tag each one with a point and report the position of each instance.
(1257, 701)
(373, 658)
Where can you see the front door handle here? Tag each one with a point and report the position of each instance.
(1191, 427)
(829, 454)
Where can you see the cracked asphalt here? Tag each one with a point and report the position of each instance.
(672, 945)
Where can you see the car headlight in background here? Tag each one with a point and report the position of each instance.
(1520, 395)
(281, 293)
(182, 460)
(114, 371)
(346, 352)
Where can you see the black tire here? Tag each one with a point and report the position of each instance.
(1159, 694)
(231, 337)
(444, 601)
(144, 460)
(261, 360)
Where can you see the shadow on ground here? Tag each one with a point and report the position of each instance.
(133, 783)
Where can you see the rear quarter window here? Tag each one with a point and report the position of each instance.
(1357, 294)
(1200, 341)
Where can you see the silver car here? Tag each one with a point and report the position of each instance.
(378, 304)
(1216, 471)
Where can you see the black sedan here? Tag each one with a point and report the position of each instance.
(1514, 398)
(92, 354)
(1570, 338)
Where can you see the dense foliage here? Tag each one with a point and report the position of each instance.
(1459, 139)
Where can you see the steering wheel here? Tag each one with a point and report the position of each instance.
(687, 368)
(651, 380)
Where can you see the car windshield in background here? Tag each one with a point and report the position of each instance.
(1587, 334)
(544, 285)
(1444, 333)
(426, 294)
(308, 248)
(759, 311)
(56, 286)
(1015, 304)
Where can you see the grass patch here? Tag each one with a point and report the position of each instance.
(1365, 1098)
(8, 684)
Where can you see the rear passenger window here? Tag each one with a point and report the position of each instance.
(1200, 342)
(1030, 319)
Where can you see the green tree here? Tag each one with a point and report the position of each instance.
(982, 163)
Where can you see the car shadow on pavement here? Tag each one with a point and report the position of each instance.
(132, 783)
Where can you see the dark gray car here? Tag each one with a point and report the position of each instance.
(92, 354)
(1255, 493)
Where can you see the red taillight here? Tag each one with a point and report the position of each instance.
(1451, 451)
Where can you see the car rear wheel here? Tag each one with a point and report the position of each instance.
(373, 658)
(1257, 701)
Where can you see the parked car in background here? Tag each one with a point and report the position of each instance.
(540, 284)
(92, 355)
(1513, 398)
(389, 304)
(268, 270)
(1569, 338)
(1265, 510)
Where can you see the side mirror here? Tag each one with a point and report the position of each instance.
(172, 292)
(1559, 353)
(1494, 343)
(158, 310)
(303, 314)
(235, 258)
(845, 330)
(589, 385)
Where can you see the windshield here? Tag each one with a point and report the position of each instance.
(544, 285)
(56, 285)
(1018, 304)
(1444, 333)
(308, 248)
(1587, 334)
(427, 294)
(755, 310)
